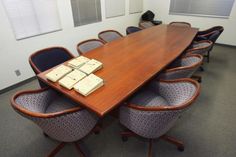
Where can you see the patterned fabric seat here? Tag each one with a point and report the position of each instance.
(89, 45)
(58, 117)
(184, 67)
(45, 59)
(154, 110)
(201, 47)
(181, 24)
(109, 35)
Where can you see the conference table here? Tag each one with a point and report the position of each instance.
(128, 64)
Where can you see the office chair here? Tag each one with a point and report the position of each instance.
(201, 47)
(89, 45)
(109, 35)
(183, 67)
(132, 29)
(145, 24)
(206, 34)
(153, 111)
(45, 59)
(182, 24)
(59, 117)
(211, 34)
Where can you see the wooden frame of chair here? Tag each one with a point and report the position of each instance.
(198, 78)
(96, 129)
(37, 71)
(180, 23)
(179, 144)
(85, 41)
(209, 31)
(99, 34)
(207, 34)
(190, 51)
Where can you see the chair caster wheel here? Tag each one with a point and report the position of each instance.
(199, 80)
(181, 148)
(124, 138)
(45, 134)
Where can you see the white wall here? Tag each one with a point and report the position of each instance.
(14, 54)
(161, 9)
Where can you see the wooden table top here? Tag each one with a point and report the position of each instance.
(128, 63)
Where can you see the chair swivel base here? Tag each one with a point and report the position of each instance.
(61, 145)
(197, 78)
(172, 140)
(95, 130)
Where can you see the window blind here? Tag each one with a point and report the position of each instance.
(217, 8)
(86, 11)
(115, 8)
(32, 17)
(135, 6)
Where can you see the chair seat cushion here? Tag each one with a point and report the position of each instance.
(148, 98)
(61, 103)
(201, 44)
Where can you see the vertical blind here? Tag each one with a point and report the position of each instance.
(115, 8)
(32, 17)
(135, 6)
(86, 11)
(217, 8)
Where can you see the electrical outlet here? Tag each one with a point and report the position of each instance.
(17, 72)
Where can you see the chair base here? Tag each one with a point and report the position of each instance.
(208, 57)
(96, 130)
(172, 140)
(197, 78)
(62, 145)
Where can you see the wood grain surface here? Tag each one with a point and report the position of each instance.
(130, 62)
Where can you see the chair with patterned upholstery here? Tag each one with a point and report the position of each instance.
(182, 24)
(132, 29)
(45, 59)
(109, 35)
(206, 34)
(201, 47)
(89, 45)
(145, 24)
(153, 111)
(183, 67)
(59, 117)
(211, 34)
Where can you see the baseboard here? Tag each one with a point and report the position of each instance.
(17, 85)
(220, 44)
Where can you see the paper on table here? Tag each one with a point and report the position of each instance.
(88, 85)
(78, 62)
(71, 79)
(58, 73)
(91, 66)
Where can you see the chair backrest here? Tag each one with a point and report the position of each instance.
(145, 24)
(200, 47)
(183, 24)
(109, 35)
(153, 122)
(210, 30)
(184, 67)
(45, 59)
(214, 36)
(66, 124)
(132, 29)
(89, 45)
